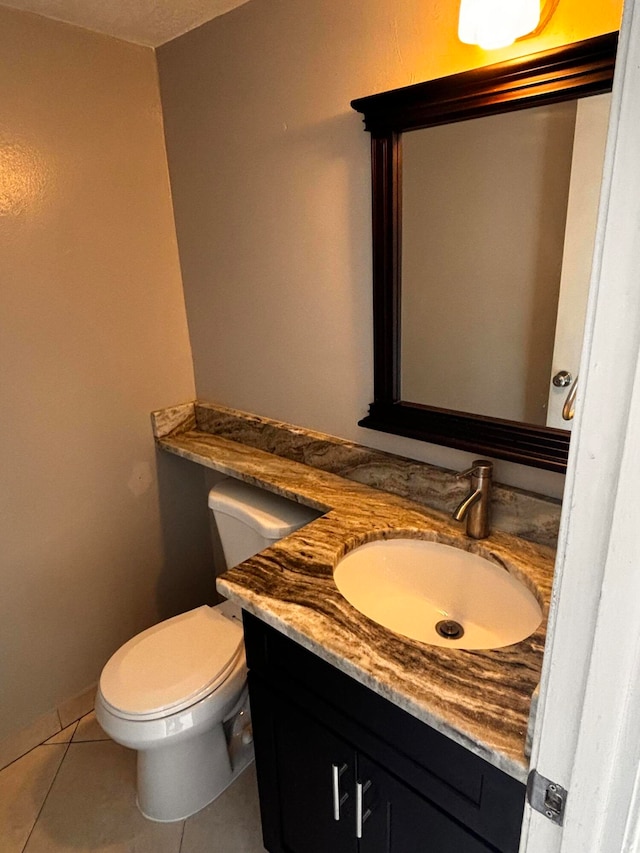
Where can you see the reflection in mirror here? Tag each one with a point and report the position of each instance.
(592, 121)
(486, 207)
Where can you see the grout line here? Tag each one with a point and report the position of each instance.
(38, 745)
(184, 826)
(91, 740)
(75, 727)
(28, 752)
(46, 797)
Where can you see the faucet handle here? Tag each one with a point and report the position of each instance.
(479, 468)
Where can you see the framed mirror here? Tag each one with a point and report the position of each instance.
(485, 191)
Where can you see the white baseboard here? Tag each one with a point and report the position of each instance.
(46, 726)
(76, 707)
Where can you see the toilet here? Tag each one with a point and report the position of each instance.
(177, 692)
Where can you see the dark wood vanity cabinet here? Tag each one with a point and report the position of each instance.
(342, 770)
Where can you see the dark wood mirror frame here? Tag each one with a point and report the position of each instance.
(574, 71)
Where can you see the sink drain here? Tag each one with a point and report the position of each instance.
(450, 629)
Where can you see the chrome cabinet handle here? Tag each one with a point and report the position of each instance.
(569, 408)
(338, 801)
(360, 817)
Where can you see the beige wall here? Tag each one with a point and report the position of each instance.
(93, 337)
(270, 178)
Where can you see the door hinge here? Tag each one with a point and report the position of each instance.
(547, 797)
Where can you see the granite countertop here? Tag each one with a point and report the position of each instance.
(480, 699)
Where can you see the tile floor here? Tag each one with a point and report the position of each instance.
(76, 794)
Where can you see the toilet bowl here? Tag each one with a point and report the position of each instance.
(166, 696)
(177, 692)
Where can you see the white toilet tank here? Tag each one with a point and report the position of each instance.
(250, 519)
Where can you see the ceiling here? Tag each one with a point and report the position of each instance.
(147, 22)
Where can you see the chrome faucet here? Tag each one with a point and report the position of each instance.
(476, 507)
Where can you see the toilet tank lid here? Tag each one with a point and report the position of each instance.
(270, 515)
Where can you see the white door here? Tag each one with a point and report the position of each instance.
(592, 120)
(587, 733)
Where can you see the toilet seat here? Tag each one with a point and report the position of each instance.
(172, 665)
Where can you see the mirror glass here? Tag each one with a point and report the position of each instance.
(498, 223)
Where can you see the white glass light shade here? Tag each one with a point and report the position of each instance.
(496, 23)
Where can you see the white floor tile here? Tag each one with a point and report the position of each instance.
(20, 742)
(23, 788)
(91, 807)
(64, 736)
(231, 824)
(89, 729)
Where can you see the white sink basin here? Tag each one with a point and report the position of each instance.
(411, 586)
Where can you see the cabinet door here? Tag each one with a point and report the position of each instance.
(306, 776)
(397, 820)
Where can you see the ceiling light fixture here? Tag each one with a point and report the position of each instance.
(498, 23)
